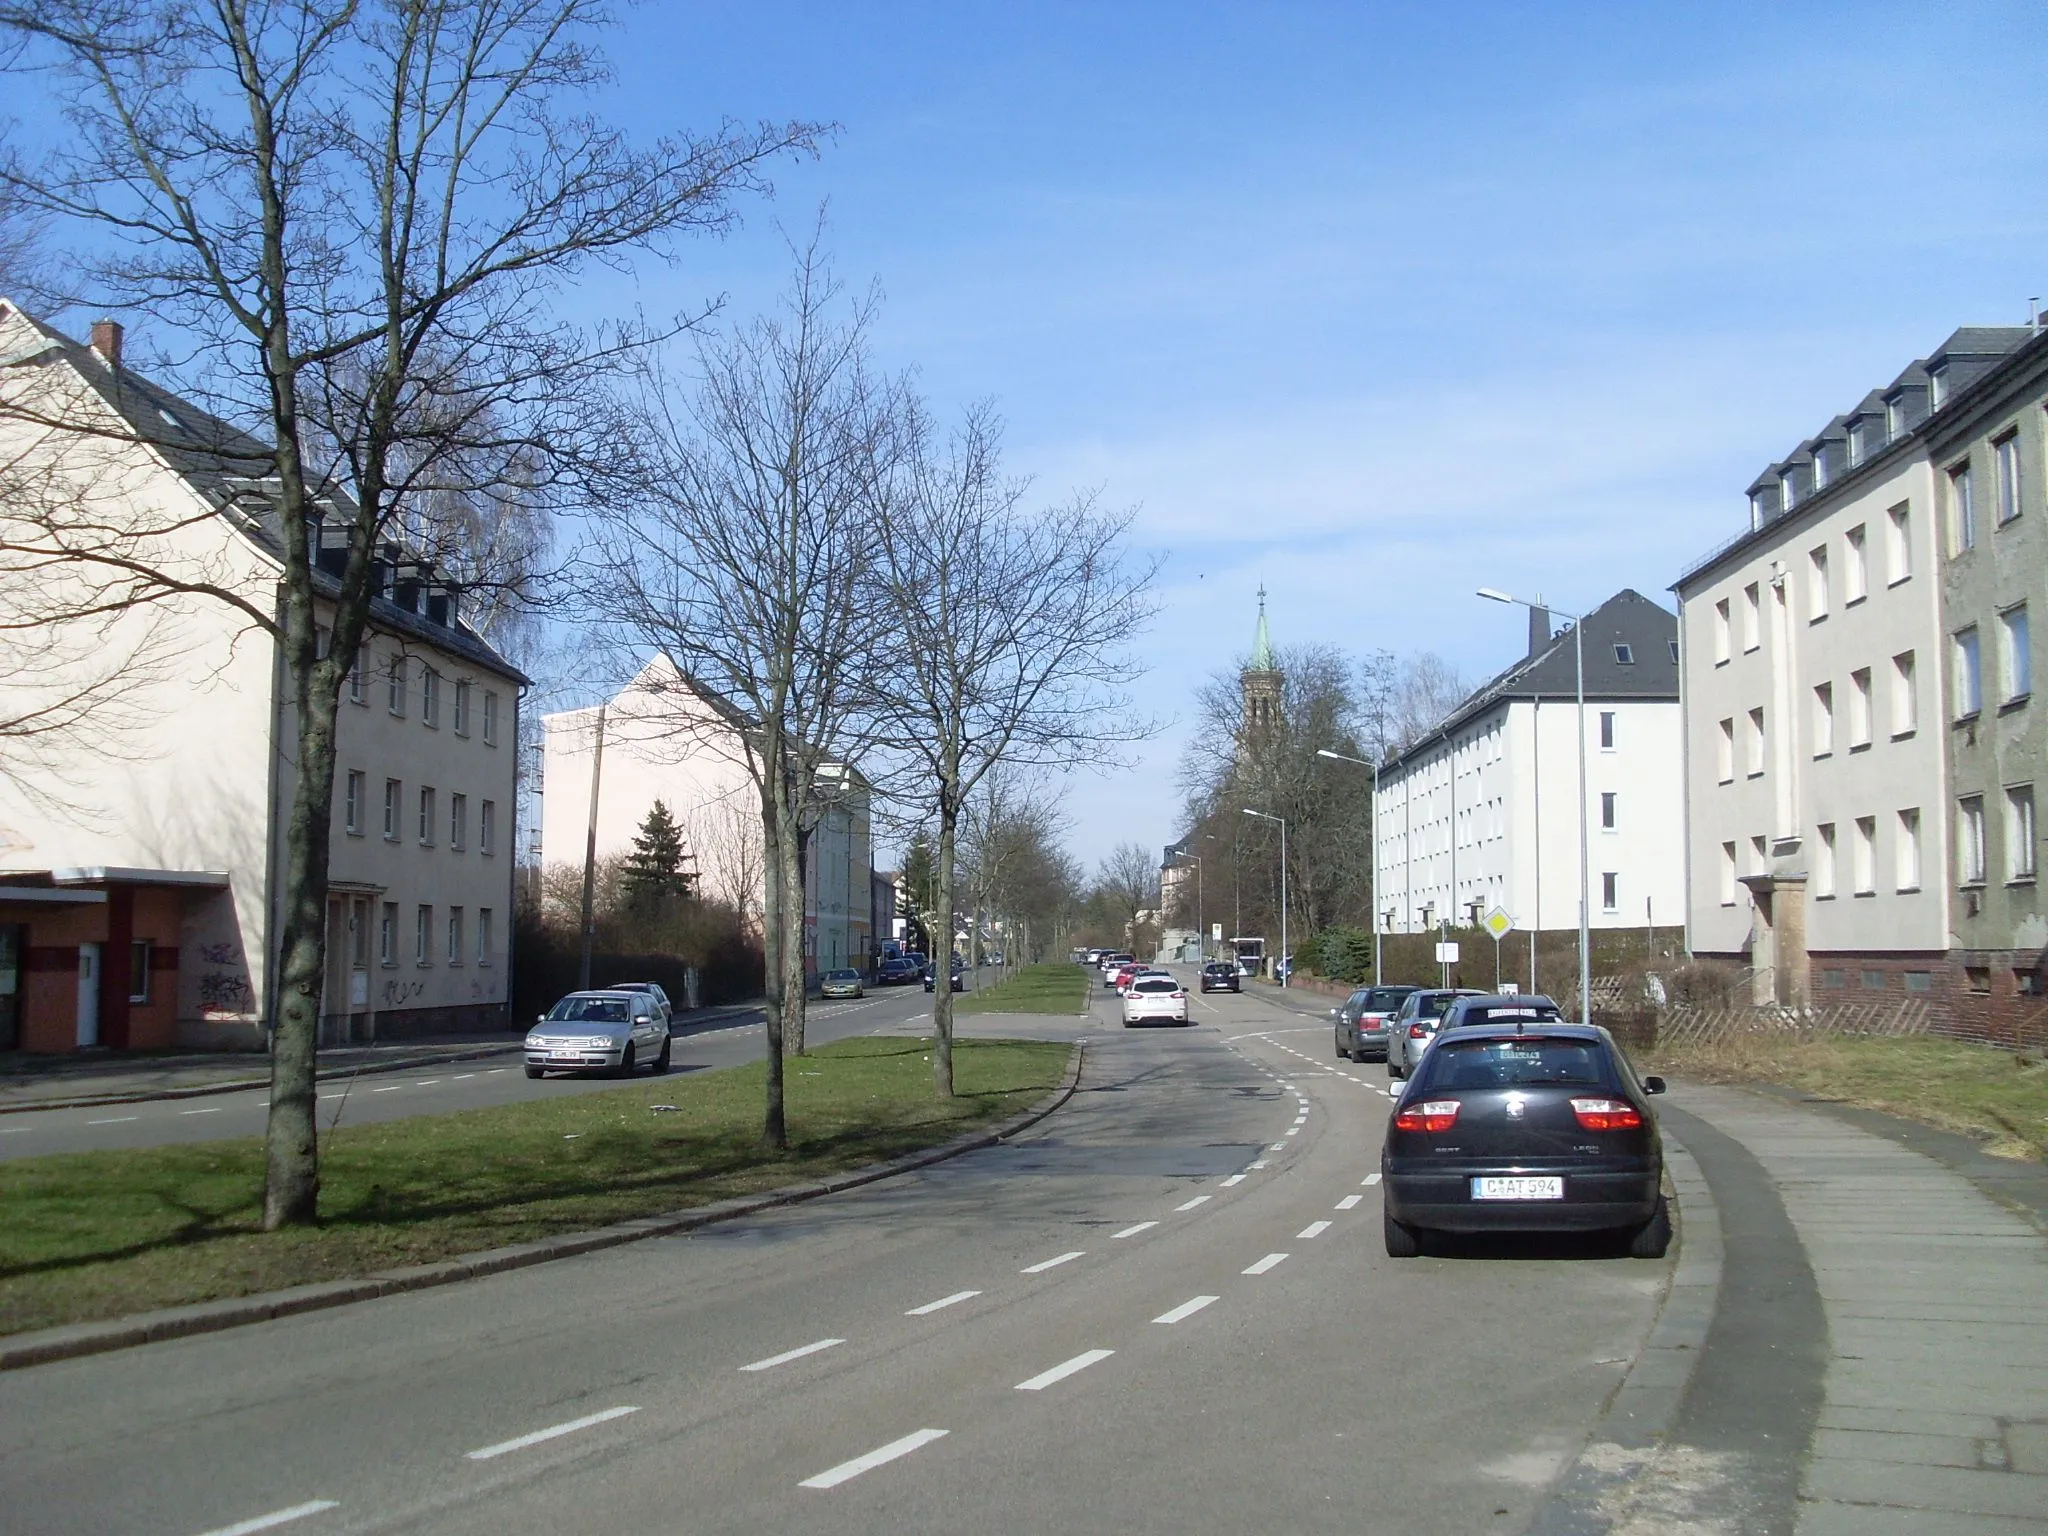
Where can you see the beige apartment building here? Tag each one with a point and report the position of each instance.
(141, 860)
(1820, 664)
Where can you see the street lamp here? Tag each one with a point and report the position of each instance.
(1287, 970)
(1378, 975)
(1585, 909)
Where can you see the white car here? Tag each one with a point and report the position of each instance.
(1155, 999)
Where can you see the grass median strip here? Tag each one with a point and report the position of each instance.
(1035, 989)
(104, 1234)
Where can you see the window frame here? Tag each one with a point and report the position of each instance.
(1856, 575)
(387, 934)
(1962, 509)
(1610, 811)
(1824, 875)
(1824, 719)
(395, 685)
(394, 810)
(1967, 653)
(1899, 544)
(483, 936)
(487, 828)
(2022, 836)
(423, 935)
(139, 970)
(355, 788)
(2005, 459)
(1905, 696)
(490, 726)
(1610, 890)
(459, 710)
(458, 821)
(1971, 863)
(1907, 868)
(2015, 655)
(430, 698)
(1817, 593)
(428, 811)
(1607, 730)
(456, 946)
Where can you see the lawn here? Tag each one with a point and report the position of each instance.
(104, 1234)
(1035, 989)
(1959, 1087)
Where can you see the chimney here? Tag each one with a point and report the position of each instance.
(106, 340)
(1539, 629)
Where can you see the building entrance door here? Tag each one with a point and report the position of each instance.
(88, 995)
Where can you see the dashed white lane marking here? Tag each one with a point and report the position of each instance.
(1314, 1229)
(794, 1354)
(1294, 1130)
(1270, 1261)
(1064, 1369)
(115, 1120)
(1349, 1202)
(552, 1432)
(1259, 1164)
(1278, 1146)
(1186, 1309)
(1234, 1180)
(463, 1077)
(880, 1455)
(494, 1071)
(1044, 1264)
(1189, 1205)
(274, 1518)
(1132, 1231)
(941, 1304)
(392, 1089)
(213, 1111)
(428, 1082)
(1370, 1179)
(23, 1130)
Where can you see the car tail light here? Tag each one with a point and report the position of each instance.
(1429, 1115)
(1418, 1031)
(1606, 1114)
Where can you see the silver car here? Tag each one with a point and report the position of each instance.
(1361, 1021)
(1414, 1025)
(608, 1032)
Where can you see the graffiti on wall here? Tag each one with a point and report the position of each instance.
(398, 992)
(224, 992)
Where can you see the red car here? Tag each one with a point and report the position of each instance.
(1121, 976)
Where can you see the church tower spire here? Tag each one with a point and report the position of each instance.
(1261, 679)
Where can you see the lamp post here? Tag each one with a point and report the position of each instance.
(1585, 909)
(1338, 757)
(1286, 968)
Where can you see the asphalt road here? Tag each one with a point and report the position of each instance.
(1166, 1308)
(421, 1091)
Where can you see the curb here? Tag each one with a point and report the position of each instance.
(1646, 1404)
(74, 1339)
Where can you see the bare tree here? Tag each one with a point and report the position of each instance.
(1429, 689)
(742, 565)
(357, 214)
(1128, 881)
(1009, 627)
(727, 835)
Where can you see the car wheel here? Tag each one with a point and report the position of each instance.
(1403, 1241)
(661, 1062)
(1342, 1053)
(1396, 1073)
(625, 1066)
(1653, 1236)
(536, 1072)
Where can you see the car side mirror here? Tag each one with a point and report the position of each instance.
(540, 1018)
(1653, 1085)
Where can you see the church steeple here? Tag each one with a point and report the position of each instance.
(1262, 639)
(1261, 679)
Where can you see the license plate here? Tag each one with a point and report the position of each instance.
(563, 1055)
(1518, 1189)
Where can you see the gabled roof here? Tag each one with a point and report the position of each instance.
(1626, 619)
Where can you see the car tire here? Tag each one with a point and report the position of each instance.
(536, 1071)
(1654, 1236)
(1397, 1076)
(661, 1062)
(625, 1066)
(1403, 1241)
(1342, 1053)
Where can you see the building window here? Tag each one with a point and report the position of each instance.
(387, 934)
(1721, 640)
(138, 970)
(1726, 765)
(1970, 840)
(1918, 981)
(1607, 810)
(2017, 644)
(1905, 696)
(1937, 387)
(1962, 510)
(1908, 860)
(1606, 730)
(352, 803)
(1752, 626)
(423, 935)
(430, 697)
(461, 721)
(358, 689)
(1824, 860)
(490, 718)
(455, 949)
(1673, 644)
(1756, 742)
(1817, 583)
(2007, 452)
(394, 686)
(1969, 673)
(1899, 543)
(1823, 719)
(1727, 874)
(1610, 891)
(487, 827)
(392, 792)
(1864, 853)
(426, 815)
(458, 822)
(483, 935)
(1834, 976)
(1856, 572)
(1624, 656)
(2021, 841)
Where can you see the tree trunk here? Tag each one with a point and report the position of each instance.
(774, 938)
(790, 869)
(942, 974)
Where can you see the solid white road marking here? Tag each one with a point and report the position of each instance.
(1044, 1264)
(875, 1458)
(1314, 1229)
(1270, 1261)
(552, 1432)
(1348, 1202)
(1233, 1180)
(213, 1111)
(1132, 1231)
(1066, 1368)
(275, 1517)
(792, 1354)
(1185, 1309)
(1189, 1205)
(1370, 1179)
(944, 1301)
(116, 1120)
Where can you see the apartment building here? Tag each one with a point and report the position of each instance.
(664, 741)
(1484, 810)
(142, 860)
(1822, 658)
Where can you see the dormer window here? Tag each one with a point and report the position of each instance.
(1895, 418)
(1937, 387)
(1788, 491)
(1820, 468)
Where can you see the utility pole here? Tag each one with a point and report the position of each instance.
(590, 856)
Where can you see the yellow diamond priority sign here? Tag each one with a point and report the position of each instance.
(1498, 923)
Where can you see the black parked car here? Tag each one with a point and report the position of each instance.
(959, 977)
(1221, 976)
(1533, 1128)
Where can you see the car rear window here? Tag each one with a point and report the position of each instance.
(1525, 1061)
(1156, 984)
(1386, 997)
(1527, 1013)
